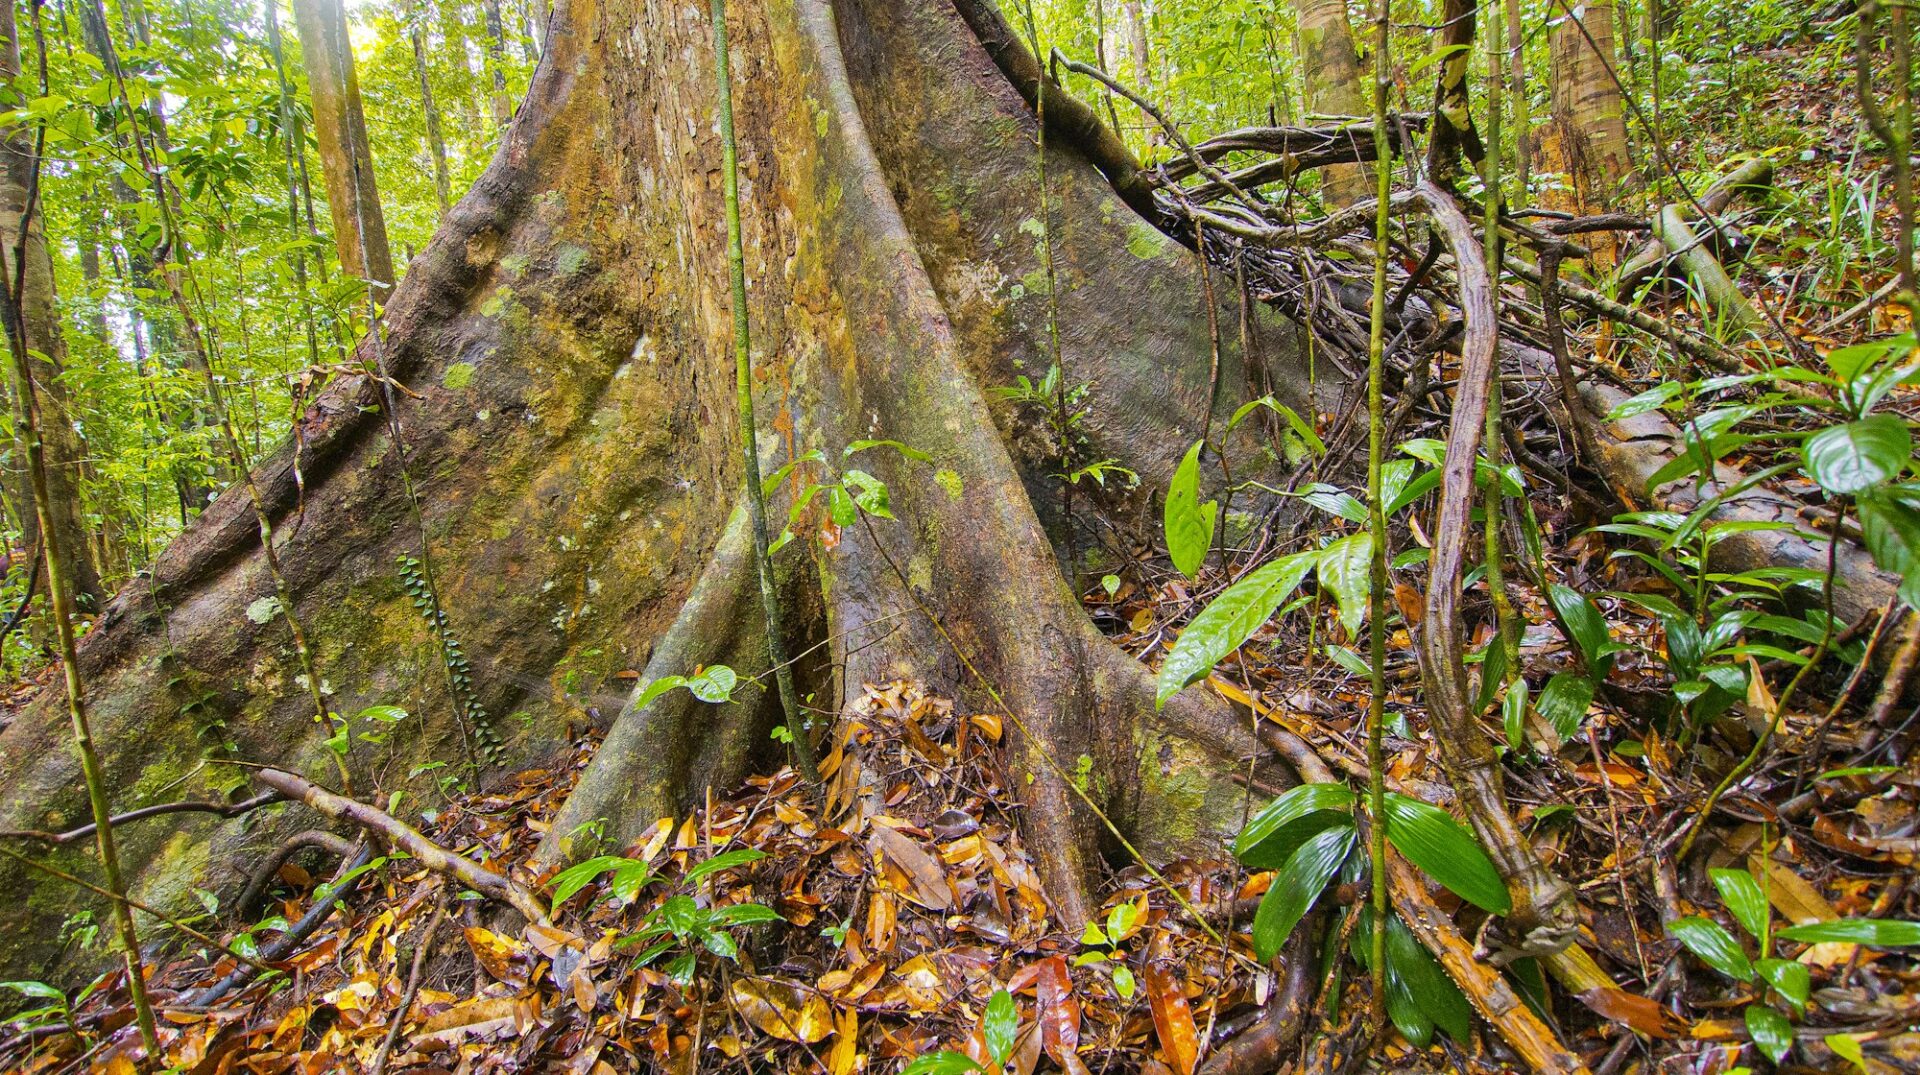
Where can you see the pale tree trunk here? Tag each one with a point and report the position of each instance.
(1142, 61)
(29, 268)
(1331, 79)
(346, 159)
(1585, 139)
(567, 333)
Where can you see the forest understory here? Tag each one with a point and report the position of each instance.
(1087, 537)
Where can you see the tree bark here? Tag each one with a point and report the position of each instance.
(436, 143)
(567, 333)
(1331, 78)
(23, 248)
(346, 158)
(497, 61)
(1585, 138)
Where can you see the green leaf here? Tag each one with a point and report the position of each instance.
(1270, 836)
(581, 874)
(914, 454)
(714, 684)
(1847, 1047)
(1714, 945)
(1564, 701)
(1229, 621)
(656, 688)
(726, 860)
(1858, 455)
(1446, 851)
(1346, 571)
(1651, 400)
(35, 989)
(941, 1063)
(1296, 887)
(1189, 524)
(1770, 1030)
(1433, 988)
(1513, 714)
(1001, 1026)
(869, 493)
(747, 914)
(1584, 623)
(1890, 528)
(1746, 900)
(1788, 978)
(1123, 982)
(1879, 932)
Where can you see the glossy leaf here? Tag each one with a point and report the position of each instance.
(1296, 887)
(1446, 851)
(1226, 624)
(1266, 842)
(1890, 529)
(1000, 1026)
(1189, 523)
(945, 1062)
(1790, 979)
(1564, 702)
(1433, 988)
(1745, 899)
(1858, 455)
(580, 875)
(1714, 945)
(1345, 571)
(1879, 932)
(1771, 1032)
(726, 860)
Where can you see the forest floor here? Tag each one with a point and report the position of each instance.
(908, 898)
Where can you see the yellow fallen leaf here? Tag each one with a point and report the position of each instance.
(846, 1047)
(777, 1011)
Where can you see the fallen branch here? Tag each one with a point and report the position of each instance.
(263, 874)
(1717, 289)
(293, 938)
(188, 807)
(1754, 174)
(400, 836)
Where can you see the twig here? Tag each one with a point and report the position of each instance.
(190, 807)
(413, 989)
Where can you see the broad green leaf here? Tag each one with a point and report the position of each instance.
(1770, 1030)
(1446, 851)
(748, 914)
(1513, 714)
(1189, 524)
(1858, 455)
(1564, 702)
(941, 1063)
(1879, 932)
(1651, 400)
(1890, 528)
(1433, 988)
(1271, 835)
(1336, 502)
(911, 453)
(1000, 1026)
(1403, 1008)
(714, 683)
(1584, 622)
(726, 860)
(1225, 625)
(869, 492)
(35, 989)
(1296, 887)
(1790, 979)
(656, 688)
(1345, 570)
(580, 875)
(1746, 900)
(1123, 982)
(1714, 945)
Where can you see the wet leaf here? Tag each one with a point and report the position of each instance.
(1000, 1024)
(1296, 887)
(1172, 1020)
(1714, 945)
(1771, 1031)
(775, 1008)
(1188, 523)
(1446, 851)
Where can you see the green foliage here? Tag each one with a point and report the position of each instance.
(685, 923)
(466, 704)
(1189, 524)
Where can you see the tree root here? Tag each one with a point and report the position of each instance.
(400, 836)
(287, 942)
(1259, 1048)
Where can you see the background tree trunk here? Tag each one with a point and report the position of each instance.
(436, 144)
(567, 333)
(1330, 77)
(1586, 134)
(346, 159)
(29, 269)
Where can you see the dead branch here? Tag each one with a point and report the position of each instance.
(261, 878)
(188, 807)
(400, 836)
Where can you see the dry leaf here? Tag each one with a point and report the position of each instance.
(775, 1008)
(1172, 1019)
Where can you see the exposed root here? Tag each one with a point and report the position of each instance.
(261, 878)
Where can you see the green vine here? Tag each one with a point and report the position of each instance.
(476, 727)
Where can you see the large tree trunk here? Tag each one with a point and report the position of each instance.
(567, 332)
(29, 271)
(346, 158)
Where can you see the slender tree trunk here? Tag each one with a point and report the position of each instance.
(1522, 103)
(436, 144)
(1331, 78)
(346, 159)
(1142, 60)
(1586, 135)
(497, 61)
(27, 263)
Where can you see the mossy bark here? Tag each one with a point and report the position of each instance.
(567, 332)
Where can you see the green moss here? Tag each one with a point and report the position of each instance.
(458, 376)
(1144, 242)
(570, 259)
